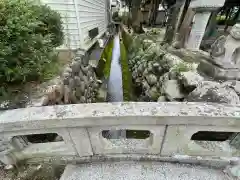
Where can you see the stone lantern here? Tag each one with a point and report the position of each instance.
(203, 9)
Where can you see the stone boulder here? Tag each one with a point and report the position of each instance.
(190, 80)
(172, 91)
(235, 85)
(161, 99)
(209, 91)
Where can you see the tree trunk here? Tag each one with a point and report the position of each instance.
(155, 11)
(227, 17)
(235, 19)
(186, 27)
(137, 17)
(172, 22)
(137, 20)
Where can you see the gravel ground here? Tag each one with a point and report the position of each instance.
(33, 172)
(142, 171)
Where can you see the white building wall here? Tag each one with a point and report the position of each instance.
(80, 16)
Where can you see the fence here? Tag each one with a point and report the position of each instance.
(153, 130)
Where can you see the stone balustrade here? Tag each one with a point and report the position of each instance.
(157, 131)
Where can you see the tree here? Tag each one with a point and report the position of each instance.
(136, 14)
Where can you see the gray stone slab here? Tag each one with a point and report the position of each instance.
(102, 114)
(178, 141)
(140, 171)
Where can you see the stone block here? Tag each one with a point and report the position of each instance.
(218, 72)
(16, 149)
(178, 142)
(207, 3)
(103, 146)
(81, 141)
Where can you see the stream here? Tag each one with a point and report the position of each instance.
(115, 90)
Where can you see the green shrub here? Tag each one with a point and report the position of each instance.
(25, 50)
(52, 24)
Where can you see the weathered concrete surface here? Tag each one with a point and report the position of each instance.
(178, 141)
(130, 113)
(150, 145)
(139, 171)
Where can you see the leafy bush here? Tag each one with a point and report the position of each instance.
(25, 50)
(52, 24)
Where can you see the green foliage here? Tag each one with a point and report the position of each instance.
(182, 67)
(126, 75)
(127, 39)
(116, 17)
(25, 50)
(104, 66)
(52, 24)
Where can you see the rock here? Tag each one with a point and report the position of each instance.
(145, 72)
(75, 67)
(89, 100)
(217, 48)
(71, 83)
(190, 79)
(101, 95)
(173, 75)
(82, 99)
(171, 60)
(84, 70)
(44, 101)
(68, 70)
(141, 68)
(77, 81)
(66, 76)
(161, 99)
(80, 74)
(59, 90)
(67, 93)
(134, 74)
(82, 86)
(73, 98)
(234, 85)
(235, 31)
(209, 91)
(164, 78)
(78, 92)
(151, 79)
(85, 79)
(150, 67)
(78, 58)
(145, 85)
(153, 93)
(172, 90)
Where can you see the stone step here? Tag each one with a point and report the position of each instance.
(141, 171)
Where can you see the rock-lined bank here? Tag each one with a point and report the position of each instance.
(160, 75)
(77, 83)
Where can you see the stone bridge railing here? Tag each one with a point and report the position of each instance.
(154, 131)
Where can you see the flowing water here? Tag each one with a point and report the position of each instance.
(115, 91)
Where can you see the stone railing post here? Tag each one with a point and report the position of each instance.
(203, 9)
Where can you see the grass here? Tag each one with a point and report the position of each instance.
(126, 74)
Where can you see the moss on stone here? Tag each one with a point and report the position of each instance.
(104, 65)
(126, 75)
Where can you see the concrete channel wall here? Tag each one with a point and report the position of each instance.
(169, 126)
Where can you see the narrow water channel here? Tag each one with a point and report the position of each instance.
(115, 91)
(115, 88)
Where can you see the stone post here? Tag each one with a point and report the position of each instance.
(198, 30)
(203, 9)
